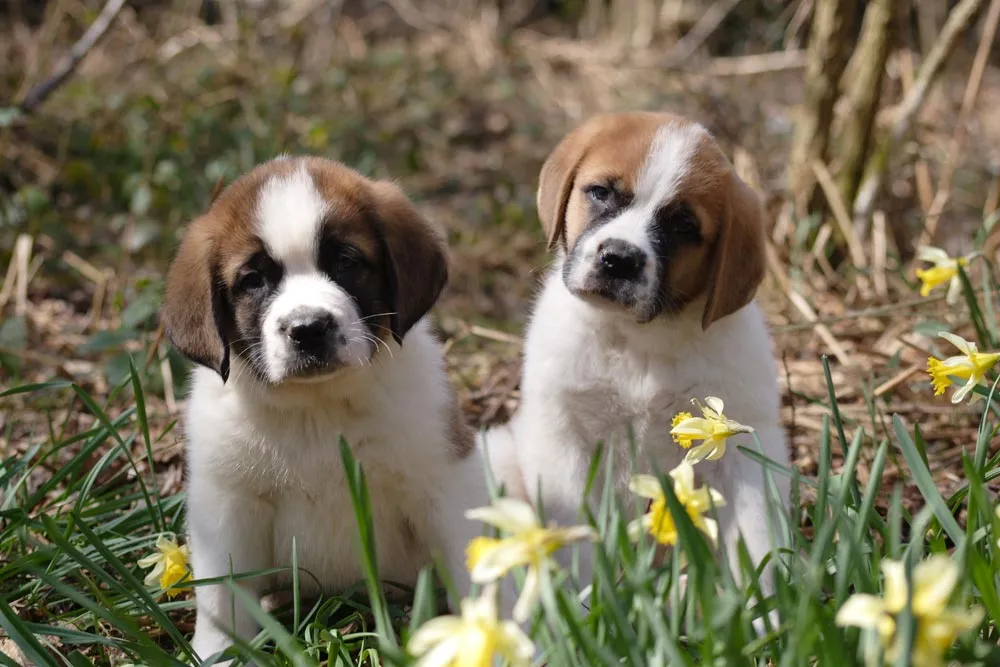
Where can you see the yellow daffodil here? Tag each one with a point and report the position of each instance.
(712, 428)
(971, 365)
(170, 565)
(528, 543)
(937, 625)
(658, 522)
(473, 639)
(682, 440)
(945, 270)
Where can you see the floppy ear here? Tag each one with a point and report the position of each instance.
(417, 262)
(555, 183)
(195, 308)
(738, 268)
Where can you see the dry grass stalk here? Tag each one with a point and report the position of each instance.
(798, 301)
(802, 13)
(931, 15)
(880, 248)
(863, 92)
(10, 279)
(752, 65)
(958, 138)
(960, 18)
(922, 173)
(493, 334)
(827, 57)
(896, 380)
(839, 210)
(100, 278)
(18, 276)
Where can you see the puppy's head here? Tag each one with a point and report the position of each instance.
(300, 268)
(652, 217)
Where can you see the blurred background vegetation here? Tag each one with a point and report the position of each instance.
(869, 127)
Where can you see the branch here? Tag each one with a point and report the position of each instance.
(700, 31)
(864, 89)
(37, 95)
(958, 138)
(959, 19)
(829, 49)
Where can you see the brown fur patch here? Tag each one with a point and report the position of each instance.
(408, 532)
(418, 251)
(460, 434)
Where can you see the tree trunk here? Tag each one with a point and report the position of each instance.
(829, 49)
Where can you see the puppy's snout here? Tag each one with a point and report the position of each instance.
(620, 260)
(310, 331)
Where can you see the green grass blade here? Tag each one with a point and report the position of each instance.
(285, 640)
(24, 638)
(924, 481)
(363, 513)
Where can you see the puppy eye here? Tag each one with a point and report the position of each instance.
(679, 221)
(686, 226)
(599, 194)
(259, 272)
(348, 259)
(340, 261)
(252, 280)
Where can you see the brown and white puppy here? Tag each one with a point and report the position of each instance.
(649, 304)
(301, 293)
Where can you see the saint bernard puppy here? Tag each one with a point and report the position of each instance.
(301, 294)
(648, 305)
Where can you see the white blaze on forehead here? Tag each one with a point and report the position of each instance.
(290, 210)
(664, 169)
(667, 164)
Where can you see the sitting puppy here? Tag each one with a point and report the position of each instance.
(648, 305)
(301, 294)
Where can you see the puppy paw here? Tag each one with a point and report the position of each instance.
(207, 643)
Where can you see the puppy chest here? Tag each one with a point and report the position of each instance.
(630, 402)
(324, 529)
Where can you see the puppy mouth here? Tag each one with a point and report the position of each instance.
(313, 367)
(606, 294)
(615, 296)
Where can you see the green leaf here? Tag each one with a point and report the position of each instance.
(924, 481)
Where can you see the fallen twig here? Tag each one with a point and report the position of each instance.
(839, 210)
(696, 36)
(37, 95)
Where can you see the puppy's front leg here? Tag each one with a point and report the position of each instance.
(749, 513)
(461, 489)
(229, 532)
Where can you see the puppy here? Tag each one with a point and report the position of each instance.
(301, 294)
(649, 304)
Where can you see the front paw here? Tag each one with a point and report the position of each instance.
(208, 642)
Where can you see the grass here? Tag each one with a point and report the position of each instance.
(125, 154)
(78, 512)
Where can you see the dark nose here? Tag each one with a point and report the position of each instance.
(309, 331)
(620, 259)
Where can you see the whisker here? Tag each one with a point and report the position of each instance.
(368, 317)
